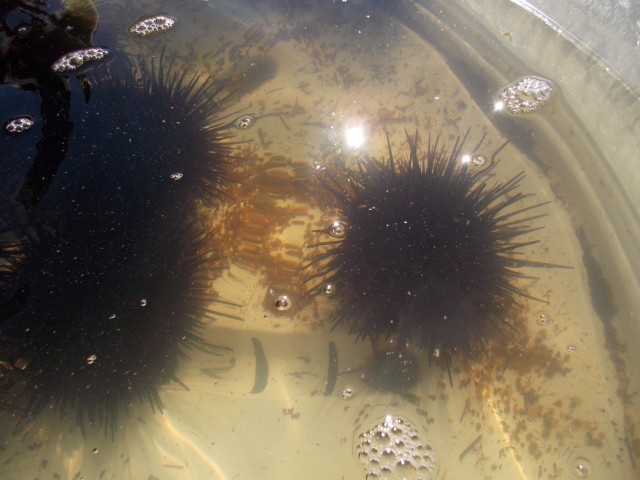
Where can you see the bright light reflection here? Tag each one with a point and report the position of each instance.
(498, 106)
(354, 136)
(466, 158)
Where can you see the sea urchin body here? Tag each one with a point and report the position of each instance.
(425, 249)
(105, 280)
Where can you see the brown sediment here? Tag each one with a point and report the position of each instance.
(510, 382)
(269, 197)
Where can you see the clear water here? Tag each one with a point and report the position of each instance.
(558, 403)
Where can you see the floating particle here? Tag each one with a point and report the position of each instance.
(526, 95)
(21, 363)
(19, 124)
(393, 449)
(347, 393)
(154, 24)
(74, 60)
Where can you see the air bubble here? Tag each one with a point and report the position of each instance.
(478, 160)
(526, 95)
(347, 393)
(143, 302)
(282, 303)
(91, 359)
(571, 348)
(19, 124)
(400, 450)
(245, 122)
(386, 473)
(328, 289)
(388, 452)
(542, 319)
(154, 24)
(582, 470)
(405, 470)
(176, 176)
(381, 437)
(73, 60)
(337, 229)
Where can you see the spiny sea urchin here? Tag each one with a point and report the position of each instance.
(158, 128)
(155, 127)
(102, 305)
(425, 249)
(107, 277)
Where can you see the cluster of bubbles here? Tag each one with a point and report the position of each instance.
(393, 449)
(18, 124)
(347, 393)
(73, 60)
(154, 24)
(526, 95)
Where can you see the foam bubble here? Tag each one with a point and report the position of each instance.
(393, 449)
(153, 24)
(526, 95)
(74, 60)
(18, 124)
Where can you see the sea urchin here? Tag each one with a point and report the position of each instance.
(105, 280)
(426, 249)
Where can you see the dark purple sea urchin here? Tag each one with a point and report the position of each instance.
(105, 280)
(426, 249)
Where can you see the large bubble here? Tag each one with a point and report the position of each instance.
(74, 60)
(526, 95)
(154, 24)
(393, 450)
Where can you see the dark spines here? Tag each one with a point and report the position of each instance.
(159, 129)
(429, 252)
(109, 310)
(106, 280)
